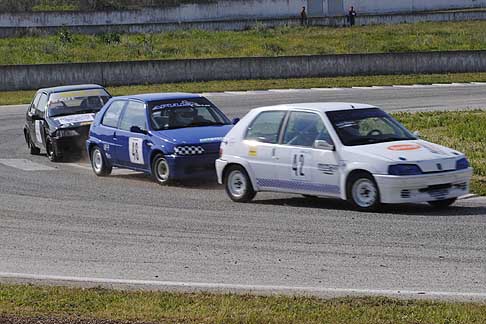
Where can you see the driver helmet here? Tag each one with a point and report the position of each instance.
(185, 116)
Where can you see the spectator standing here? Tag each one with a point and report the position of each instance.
(351, 16)
(303, 17)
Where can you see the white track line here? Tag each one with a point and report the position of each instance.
(242, 287)
(25, 165)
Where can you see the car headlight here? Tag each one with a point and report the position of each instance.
(66, 132)
(462, 164)
(404, 169)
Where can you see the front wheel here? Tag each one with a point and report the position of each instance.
(363, 193)
(51, 153)
(98, 162)
(161, 170)
(238, 185)
(442, 203)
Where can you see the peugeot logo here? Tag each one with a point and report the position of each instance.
(439, 166)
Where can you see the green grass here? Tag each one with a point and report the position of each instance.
(24, 97)
(165, 307)
(462, 130)
(258, 41)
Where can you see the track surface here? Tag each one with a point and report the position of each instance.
(68, 222)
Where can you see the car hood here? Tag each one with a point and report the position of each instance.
(73, 121)
(425, 154)
(194, 135)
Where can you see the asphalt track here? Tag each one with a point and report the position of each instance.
(59, 223)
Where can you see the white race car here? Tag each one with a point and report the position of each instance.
(350, 151)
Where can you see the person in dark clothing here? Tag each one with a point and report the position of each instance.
(351, 16)
(303, 17)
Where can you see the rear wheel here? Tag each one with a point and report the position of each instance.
(51, 153)
(161, 170)
(238, 184)
(442, 203)
(98, 162)
(362, 192)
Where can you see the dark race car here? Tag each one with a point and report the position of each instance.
(58, 119)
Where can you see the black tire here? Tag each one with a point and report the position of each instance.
(98, 162)
(51, 153)
(34, 150)
(161, 170)
(238, 184)
(363, 192)
(442, 203)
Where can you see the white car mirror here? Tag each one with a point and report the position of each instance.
(323, 145)
(416, 134)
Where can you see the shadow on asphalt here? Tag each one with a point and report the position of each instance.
(402, 209)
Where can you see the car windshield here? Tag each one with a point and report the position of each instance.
(367, 126)
(196, 112)
(77, 102)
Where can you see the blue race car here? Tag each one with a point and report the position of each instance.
(168, 135)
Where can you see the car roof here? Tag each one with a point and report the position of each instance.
(149, 97)
(318, 106)
(71, 88)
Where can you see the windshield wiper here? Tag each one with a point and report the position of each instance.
(197, 124)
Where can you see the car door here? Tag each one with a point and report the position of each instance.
(107, 130)
(38, 123)
(132, 135)
(306, 164)
(260, 141)
(29, 116)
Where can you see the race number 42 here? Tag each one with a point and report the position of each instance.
(300, 163)
(135, 150)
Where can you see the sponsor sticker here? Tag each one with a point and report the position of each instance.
(211, 139)
(404, 147)
(82, 118)
(252, 151)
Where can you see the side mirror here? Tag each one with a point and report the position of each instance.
(416, 134)
(323, 145)
(35, 117)
(235, 121)
(138, 130)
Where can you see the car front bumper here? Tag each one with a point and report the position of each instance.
(69, 145)
(423, 188)
(192, 166)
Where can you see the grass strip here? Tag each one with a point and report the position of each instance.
(164, 307)
(24, 97)
(257, 41)
(461, 130)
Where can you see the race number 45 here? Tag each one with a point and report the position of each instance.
(135, 150)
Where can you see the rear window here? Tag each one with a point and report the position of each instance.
(77, 102)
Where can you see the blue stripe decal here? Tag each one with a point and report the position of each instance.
(298, 185)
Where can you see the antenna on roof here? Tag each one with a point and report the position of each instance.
(352, 106)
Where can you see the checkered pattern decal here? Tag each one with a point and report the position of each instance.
(188, 150)
(293, 184)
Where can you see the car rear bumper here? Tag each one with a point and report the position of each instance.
(423, 188)
(192, 166)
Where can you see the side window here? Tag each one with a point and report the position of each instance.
(304, 128)
(134, 116)
(112, 114)
(41, 106)
(33, 106)
(266, 127)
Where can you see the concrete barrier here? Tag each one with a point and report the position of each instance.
(20, 77)
(243, 24)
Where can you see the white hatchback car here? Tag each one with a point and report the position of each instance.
(350, 151)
